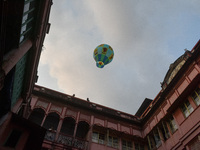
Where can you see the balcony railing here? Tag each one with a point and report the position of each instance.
(50, 136)
(66, 140)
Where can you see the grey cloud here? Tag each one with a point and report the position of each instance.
(143, 34)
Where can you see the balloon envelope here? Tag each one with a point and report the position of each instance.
(103, 54)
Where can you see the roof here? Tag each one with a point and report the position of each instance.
(143, 106)
(58, 97)
(174, 68)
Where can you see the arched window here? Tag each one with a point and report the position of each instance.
(68, 126)
(51, 121)
(82, 129)
(37, 116)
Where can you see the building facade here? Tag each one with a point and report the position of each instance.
(73, 123)
(172, 120)
(23, 26)
(169, 122)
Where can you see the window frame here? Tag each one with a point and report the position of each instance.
(127, 146)
(151, 142)
(172, 124)
(99, 140)
(140, 146)
(157, 137)
(196, 92)
(113, 144)
(28, 20)
(165, 133)
(186, 108)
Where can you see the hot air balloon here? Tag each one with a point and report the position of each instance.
(103, 54)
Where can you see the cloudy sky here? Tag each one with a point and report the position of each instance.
(146, 35)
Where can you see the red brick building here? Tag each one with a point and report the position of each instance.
(170, 121)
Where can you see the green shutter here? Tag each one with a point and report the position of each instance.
(19, 79)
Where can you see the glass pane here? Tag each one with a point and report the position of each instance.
(123, 145)
(162, 130)
(172, 124)
(157, 138)
(26, 7)
(24, 18)
(184, 109)
(190, 108)
(136, 146)
(23, 29)
(167, 135)
(126, 145)
(196, 96)
(27, 20)
(109, 141)
(129, 144)
(101, 138)
(95, 136)
(115, 142)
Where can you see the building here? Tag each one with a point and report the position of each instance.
(73, 123)
(169, 122)
(23, 26)
(34, 117)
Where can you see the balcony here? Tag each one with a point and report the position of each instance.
(65, 141)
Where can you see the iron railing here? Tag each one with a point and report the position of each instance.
(66, 140)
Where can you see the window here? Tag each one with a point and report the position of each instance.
(127, 145)
(196, 96)
(37, 115)
(172, 124)
(68, 126)
(186, 108)
(164, 130)
(156, 137)
(28, 19)
(82, 129)
(13, 139)
(139, 146)
(98, 137)
(51, 121)
(112, 141)
(151, 142)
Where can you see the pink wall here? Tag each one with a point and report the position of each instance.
(186, 126)
(95, 146)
